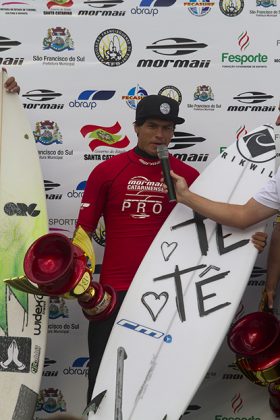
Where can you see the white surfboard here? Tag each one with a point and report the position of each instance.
(23, 218)
(184, 295)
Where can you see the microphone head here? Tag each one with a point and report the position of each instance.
(162, 151)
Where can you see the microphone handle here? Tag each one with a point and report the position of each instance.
(167, 179)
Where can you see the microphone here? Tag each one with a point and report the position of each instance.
(162, 152)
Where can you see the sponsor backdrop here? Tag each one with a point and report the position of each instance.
(83, 66)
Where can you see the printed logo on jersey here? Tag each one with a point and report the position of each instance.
(174, 47)
(231, 8)
(171, 92)
(42, 95)
(89, 98)
(250, 101)
(199, 8)
(149, 7)
(58, 308)
(112, 47)
(134, 96)
(7, 44)
(104, 136)
(257, 147)
(51, 400)
(143, 197)
(255, 60)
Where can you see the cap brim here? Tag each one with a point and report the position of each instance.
(177, 120)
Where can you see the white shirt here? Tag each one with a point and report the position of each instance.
(269, 194)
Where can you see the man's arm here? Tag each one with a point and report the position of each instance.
(240, 216)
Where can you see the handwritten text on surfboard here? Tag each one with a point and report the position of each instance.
(198, 220)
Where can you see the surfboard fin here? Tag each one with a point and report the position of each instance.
(24, 285)
(94, 403)
(82, 240)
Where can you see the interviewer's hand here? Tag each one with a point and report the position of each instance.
(259, 240)
(180, 185)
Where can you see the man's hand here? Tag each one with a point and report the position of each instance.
(259, 239)
(11, 85)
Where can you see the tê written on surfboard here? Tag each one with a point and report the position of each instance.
(184, 295)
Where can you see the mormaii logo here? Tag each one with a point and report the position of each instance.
(102, 8)
(40, 97)
(7, 44)
(174, 47)
(250, 102)
(104, 136)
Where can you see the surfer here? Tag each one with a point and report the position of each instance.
(127, 191)
(264, 204)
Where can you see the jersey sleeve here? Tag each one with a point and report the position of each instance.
(268, 195)
(94, 199)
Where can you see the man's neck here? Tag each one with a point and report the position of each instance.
(144, 154)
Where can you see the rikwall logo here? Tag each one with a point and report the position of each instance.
(230, 60)
(174, 47)
(231, 8)
(7, 44)
(199, 8)
(134, 96)
(257, 147)
(112, 47)
(104, 136)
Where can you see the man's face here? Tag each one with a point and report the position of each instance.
(153, 133)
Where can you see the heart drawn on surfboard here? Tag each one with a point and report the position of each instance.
(168, 249)
(154, 302)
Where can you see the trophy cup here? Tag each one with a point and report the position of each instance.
(56, 266)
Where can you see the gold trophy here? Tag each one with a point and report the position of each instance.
(56, 266)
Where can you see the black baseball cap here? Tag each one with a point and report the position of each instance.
(158, 106)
